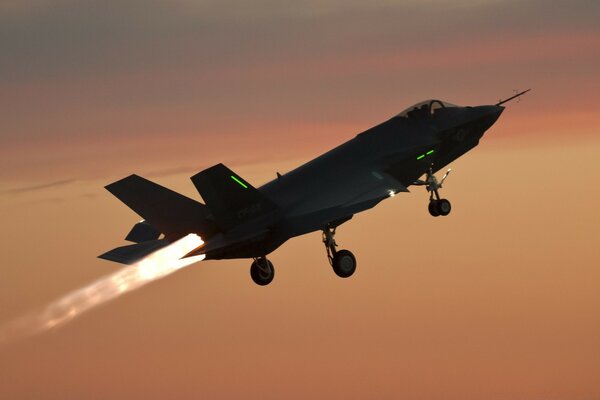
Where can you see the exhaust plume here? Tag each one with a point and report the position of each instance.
(157, 265)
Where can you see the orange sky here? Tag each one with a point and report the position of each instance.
(499, 301)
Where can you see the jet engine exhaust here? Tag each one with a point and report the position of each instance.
(157, 265)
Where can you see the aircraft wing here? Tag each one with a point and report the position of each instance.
(361, 187)
(384, 185)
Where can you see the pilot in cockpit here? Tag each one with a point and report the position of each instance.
(419, 112)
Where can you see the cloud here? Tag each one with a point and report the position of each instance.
(33, 188)
(108, 80)
(157, 173)
(81, 38)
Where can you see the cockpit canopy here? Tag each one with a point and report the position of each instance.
(423, 108)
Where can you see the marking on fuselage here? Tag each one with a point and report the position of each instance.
(242, 184)
(422, 156)
(377, 175)
(249, 211)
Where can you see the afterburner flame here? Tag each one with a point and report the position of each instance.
(155, 266)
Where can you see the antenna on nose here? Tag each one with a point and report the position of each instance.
(512, 97)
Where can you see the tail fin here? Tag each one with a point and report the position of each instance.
(170, 212)
(230, 198)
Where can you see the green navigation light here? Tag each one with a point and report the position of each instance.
(422, 156)
(242, 184)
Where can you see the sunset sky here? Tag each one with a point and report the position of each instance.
(500, 300)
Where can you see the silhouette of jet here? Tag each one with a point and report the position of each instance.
(241, 221)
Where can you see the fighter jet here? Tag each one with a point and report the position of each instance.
(238, 220)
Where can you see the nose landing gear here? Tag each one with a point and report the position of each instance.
(342, 261)
(437, 206)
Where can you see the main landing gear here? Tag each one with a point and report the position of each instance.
(437, 206)
(342, 261)
(262, 271)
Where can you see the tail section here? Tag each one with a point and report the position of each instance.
(167, 211)
(230, 198)
(142, 232)
(134, 252)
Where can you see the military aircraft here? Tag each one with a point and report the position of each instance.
(241, 221)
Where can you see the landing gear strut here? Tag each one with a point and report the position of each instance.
(437, 206)
(342, 261)
(262, 271)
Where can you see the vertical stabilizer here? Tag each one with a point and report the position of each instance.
(231, 199)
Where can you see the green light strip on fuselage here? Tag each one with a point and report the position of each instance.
(242, 184)
(422, 156)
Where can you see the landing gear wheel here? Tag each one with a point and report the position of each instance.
(262, 271)
(433, 208)
(443, 207)
(343, 263)
(437, 206)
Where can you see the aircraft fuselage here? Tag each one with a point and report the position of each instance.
(358, 174)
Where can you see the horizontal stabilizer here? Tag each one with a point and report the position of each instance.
(230, 198)
(134, 252)
(169, 212)
(142, 232)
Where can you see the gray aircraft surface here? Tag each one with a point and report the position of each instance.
(241, 221)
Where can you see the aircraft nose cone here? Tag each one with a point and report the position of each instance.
(489, 115)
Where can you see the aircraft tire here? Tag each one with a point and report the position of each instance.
(344, 263)
(443, 207)
(260, 273)
(433, 208)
